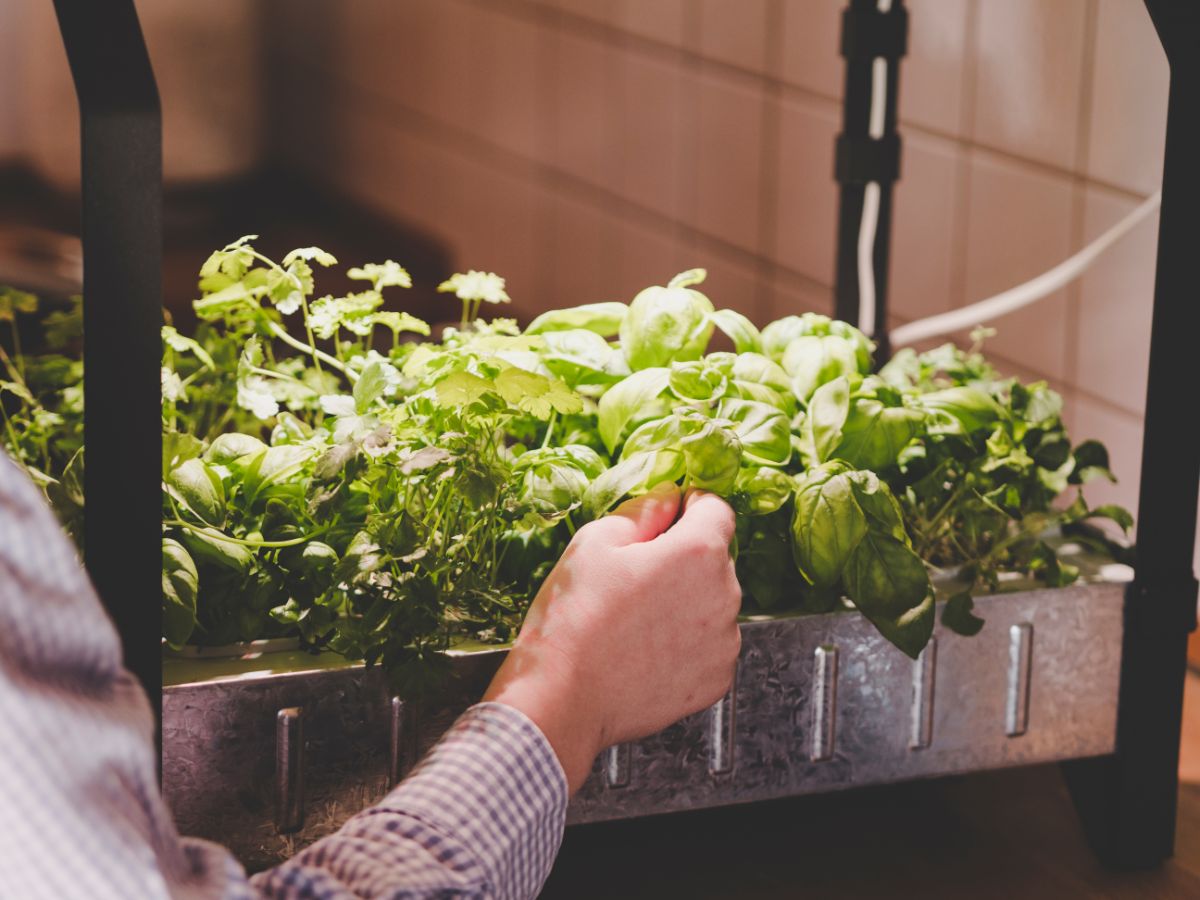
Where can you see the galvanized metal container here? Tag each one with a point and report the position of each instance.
(270, 759)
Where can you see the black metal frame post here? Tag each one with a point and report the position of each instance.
(121, 149)
(1128, 801)
(867, 34)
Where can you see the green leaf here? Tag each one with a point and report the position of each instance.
(1091, 462)
(461, 389)
(962, 410)
(879, 505)
(178, 447)
(381, 275)
(739, 329)
(874, 434)
(697, 381)
(201, 489)
(622, 403)
(763, 431)
(827, 524)
(762, 490)
(579, 357)
(1114, 513)
(713, 456)
(911, 630)
(957, 615)
(535, 394)
(181, 344)
(634, 475)
(603, 319)
(813, 360)
(209, 547)
(180, 586)
(667, 324)
(228, 447)
(884, 577)
(377, 380)
(827, 413)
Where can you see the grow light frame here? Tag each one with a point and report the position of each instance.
(1127, 800)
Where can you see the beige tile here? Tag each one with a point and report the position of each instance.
(1019, 226)
(604, 11)
(732, 283)
(1029, 77)
(811, 46)
(924, 239)
(735, 33)
(1115, 307)
(1121, 433)
(725, 190)
(931, 75)
(658, 20)
(585, 119)
(511, 94)
(789, 295)
(413, 52)
(649, 255)
(649, 140)
(582, 249)
(1129, 100)
(806, 221)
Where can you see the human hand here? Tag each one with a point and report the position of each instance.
(634, 629)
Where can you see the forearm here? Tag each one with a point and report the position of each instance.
(482, 816)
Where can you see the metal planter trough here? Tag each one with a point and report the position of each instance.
(267, 761)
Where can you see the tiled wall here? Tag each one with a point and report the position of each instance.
(586, 148)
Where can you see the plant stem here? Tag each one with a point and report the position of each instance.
(218, 535)
(281, 333)
(549, 428)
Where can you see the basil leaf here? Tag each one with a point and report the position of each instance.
(634, 475)
(957, 615)
(626, 399)
(874, 434)
(827, 414)
(827, 524)
(180, 587)
(738, 329)
(201, 490)
(603, 319)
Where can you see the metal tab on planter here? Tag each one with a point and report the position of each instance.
(1020, 667)
(924, 673)
(289, 770)
(721, 734)
(616, 766)
(824, 702)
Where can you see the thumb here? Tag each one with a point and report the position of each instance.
(642, 518)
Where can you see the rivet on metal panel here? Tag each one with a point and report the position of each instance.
(1020, 666)
(396, 737)
(616, 766)
(720, 733)
(824, 701)
(924, 669)
(289, 769)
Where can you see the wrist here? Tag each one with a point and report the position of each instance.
(547, 696)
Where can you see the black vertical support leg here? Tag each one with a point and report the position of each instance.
(1128, 801)
(874, 37)
(121, 127)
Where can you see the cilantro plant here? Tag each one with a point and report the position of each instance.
(331, 470)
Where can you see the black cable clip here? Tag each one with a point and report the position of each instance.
(859, 159)
(867, 32)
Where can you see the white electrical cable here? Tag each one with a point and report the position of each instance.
(1029, 292)
(871, 194)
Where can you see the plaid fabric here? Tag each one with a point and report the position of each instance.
(80, 812)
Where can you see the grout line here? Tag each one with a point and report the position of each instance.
(961, 217)
(698, 63)
(1083, 129)
(468, 144)
(770, 165)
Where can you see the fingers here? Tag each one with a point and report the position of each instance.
(706, 518)
(640, 519)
